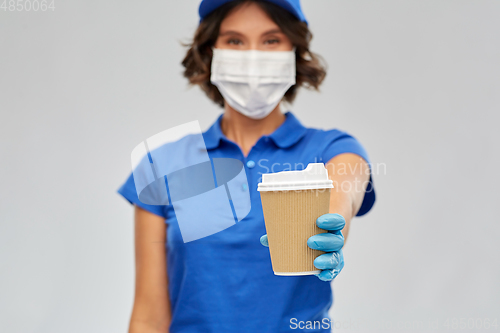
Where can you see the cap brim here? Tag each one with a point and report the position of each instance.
(208, 6)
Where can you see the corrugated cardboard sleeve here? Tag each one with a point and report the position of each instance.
(290, 218)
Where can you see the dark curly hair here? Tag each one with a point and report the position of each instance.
(311, 69)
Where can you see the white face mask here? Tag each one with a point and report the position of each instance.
(253, 82)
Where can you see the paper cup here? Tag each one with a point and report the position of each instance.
(292, 201)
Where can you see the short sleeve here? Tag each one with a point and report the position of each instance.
(341, 142)
(128, 191)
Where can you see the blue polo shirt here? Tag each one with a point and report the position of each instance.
(225, 282)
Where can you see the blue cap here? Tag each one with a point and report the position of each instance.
(293, 6)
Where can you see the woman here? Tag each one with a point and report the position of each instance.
(224, 282)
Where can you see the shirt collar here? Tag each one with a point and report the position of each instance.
(288, 134)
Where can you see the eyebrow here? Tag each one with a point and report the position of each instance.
(232, 32)
(273, 31)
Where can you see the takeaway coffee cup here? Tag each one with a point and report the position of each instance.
(292, 201)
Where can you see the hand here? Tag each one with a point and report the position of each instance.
(330, 263)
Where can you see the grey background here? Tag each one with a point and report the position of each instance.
(417, 82)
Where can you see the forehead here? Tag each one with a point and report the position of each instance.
(248, 18)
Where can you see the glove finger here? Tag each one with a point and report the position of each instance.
(326, 275)
(331, 222)
(341, 262)
(327, 261)
(264, 241)
(330, 274)
(326, 242)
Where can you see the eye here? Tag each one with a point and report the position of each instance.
(272, 41)
(234, 41)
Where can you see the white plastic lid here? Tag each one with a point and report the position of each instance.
(315, 176)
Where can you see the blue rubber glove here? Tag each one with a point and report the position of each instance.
(330, 263)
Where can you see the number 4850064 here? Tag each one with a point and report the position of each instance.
(470, 323)
(27, 5)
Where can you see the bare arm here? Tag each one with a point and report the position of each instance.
(350, 175)
(151, 312)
